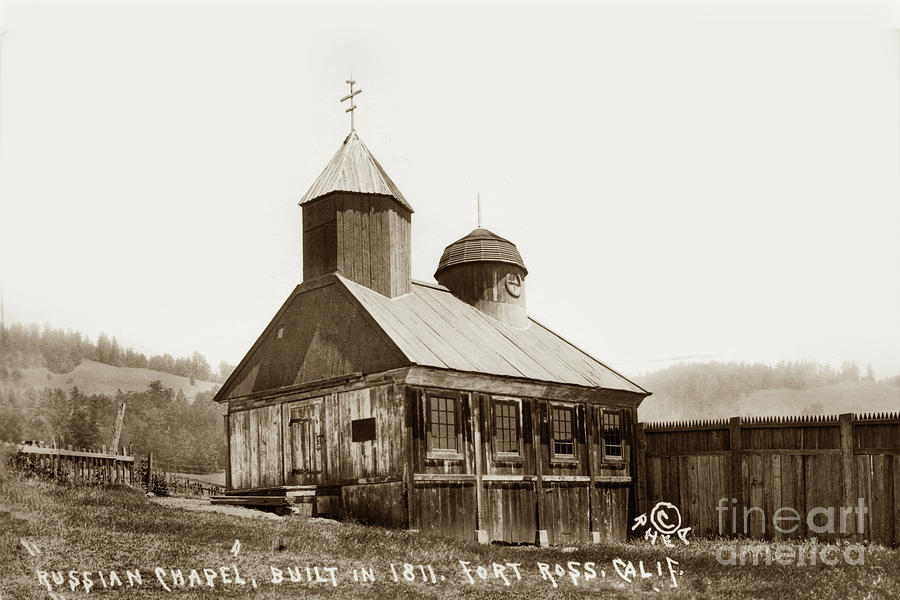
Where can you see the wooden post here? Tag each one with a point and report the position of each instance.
(536, 426)
(481, 534)
(737, 479)
(227, 418)
(120, 418)
(847, 495)
(592, 487)
(149, 478)
(641, 485)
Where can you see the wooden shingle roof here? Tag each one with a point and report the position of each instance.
(354, 169)
(480, 245)
(433, 328)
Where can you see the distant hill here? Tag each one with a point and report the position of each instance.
(714, 390)
(858, 397)
(93, 377)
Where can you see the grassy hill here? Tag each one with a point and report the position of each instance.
(84, 532)
(859, 397)
(93, 377)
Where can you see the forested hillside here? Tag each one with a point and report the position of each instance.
(61, 351)
(183, 435)
(57, 385)
(719, 390)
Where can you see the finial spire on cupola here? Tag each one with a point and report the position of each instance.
(478, 208)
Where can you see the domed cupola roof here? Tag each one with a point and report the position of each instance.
(480, 246)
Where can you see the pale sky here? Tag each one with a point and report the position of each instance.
(683, 180)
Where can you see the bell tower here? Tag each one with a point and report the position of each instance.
(355, 220)
(486, 271)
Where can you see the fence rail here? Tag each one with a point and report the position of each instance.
(731, 477)
(76, 465)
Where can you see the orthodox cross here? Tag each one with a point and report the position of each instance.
(352, 106)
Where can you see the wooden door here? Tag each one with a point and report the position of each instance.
(307, 442)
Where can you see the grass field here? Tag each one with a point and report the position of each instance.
(93, 377)
(99, 530)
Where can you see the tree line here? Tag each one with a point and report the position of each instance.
(61, 351)
(722, 381)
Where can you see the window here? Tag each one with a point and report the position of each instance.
(279, 333)
(507, 428)
(562, 422)
(612, 434)
(442, 423)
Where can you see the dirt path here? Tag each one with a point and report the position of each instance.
(203, 505)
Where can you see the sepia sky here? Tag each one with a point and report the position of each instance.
(685, 181)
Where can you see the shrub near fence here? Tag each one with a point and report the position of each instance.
(74, 465)
(767, 464)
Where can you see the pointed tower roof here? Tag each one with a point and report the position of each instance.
(354, 169)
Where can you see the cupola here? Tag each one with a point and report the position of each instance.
(486, 271)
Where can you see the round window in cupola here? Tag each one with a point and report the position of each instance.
(514, 284)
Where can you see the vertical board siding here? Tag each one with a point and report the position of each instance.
(381, 504)
(510, 515)
(612, 507)
(445, 509)
(255, 448)
(792, 463)
(568, 513)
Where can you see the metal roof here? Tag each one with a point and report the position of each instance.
(480, 246)
(354, 169)
(434, 328)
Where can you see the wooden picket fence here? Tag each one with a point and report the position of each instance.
(715, 471)
(75, 465)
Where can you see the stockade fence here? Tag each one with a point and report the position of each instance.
(75, 465)
(829, 477)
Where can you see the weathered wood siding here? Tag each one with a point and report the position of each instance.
(366, 449)
(364, 237)
(510, 514)
(511, 496)
(255, 440)
(612, 504)
(376, 504)
(797, 463)
(444, 508)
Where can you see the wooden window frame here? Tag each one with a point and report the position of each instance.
(443, 453)
(612, 458)
(564, 459)
(517, 403)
